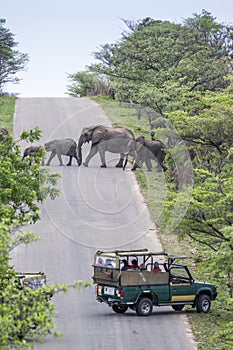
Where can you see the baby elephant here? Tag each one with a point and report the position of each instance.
(30, 150)
(146, 151)
(67, 147)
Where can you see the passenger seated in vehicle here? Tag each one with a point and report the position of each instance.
(126, 266)
(142, 267)
(156, 267)
(100, 262)
(134, 264)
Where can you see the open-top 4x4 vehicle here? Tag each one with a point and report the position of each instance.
(152, 279)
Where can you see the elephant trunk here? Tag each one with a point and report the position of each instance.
(80, 143)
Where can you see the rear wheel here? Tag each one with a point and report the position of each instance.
(119, 309)
(144, 307)
(177, 307)
(203, 303)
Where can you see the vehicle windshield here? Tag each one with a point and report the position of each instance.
(180, 272)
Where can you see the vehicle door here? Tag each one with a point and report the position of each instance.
(182, 286)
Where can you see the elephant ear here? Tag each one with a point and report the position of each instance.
(140, 143)
(99, 134)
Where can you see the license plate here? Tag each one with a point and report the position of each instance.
(109, 290)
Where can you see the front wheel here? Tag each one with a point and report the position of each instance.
(203, 304)
(177, 307)
(120, 309)
(144, 307)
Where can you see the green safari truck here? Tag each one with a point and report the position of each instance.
(140, 279)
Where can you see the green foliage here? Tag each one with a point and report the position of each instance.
(206, 230)
(182, 74)
(87, 84)
(25, 314)
(11, 60)
(162, 64)
(22, 185)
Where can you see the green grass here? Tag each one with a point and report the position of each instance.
(124, 114)
(7, 107)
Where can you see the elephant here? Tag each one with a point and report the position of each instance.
(105, 139)
(146, 150)
(30, 150)
(60, 147)
(3, 132)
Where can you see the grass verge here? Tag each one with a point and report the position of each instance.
(7, 107)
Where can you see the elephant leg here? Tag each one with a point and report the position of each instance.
(160, 159)
(91, 154)
(121, 161)
(59, 157)
(148, 164)
(102, 158)
(52, 155)
(162, 165)
(70, 161)
(137, 164)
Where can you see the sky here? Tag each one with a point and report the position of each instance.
(61, 36)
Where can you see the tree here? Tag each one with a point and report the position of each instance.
(209, 218)
(11, 60)
(24, 313)
(158, 63)
(86, 83)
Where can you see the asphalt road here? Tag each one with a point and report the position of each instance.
(97, 209)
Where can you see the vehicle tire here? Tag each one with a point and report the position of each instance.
(144, 307)
(177, 307)
(120, 309)
(203, 303)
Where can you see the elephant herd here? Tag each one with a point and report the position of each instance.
(105, 139)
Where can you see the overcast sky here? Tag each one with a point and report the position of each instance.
(60, 36)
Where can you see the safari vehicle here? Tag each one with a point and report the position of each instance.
(139, 288)
(33, 280)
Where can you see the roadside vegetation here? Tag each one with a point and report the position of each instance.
(175, 79)
(25, 314)
(214, 330)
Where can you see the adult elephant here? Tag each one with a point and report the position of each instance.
(146, 150)
(3, 132)
(105, 139)
(67, 147)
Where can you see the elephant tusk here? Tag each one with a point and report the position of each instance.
(126, 161)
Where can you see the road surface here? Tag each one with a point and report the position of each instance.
(97, 209)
